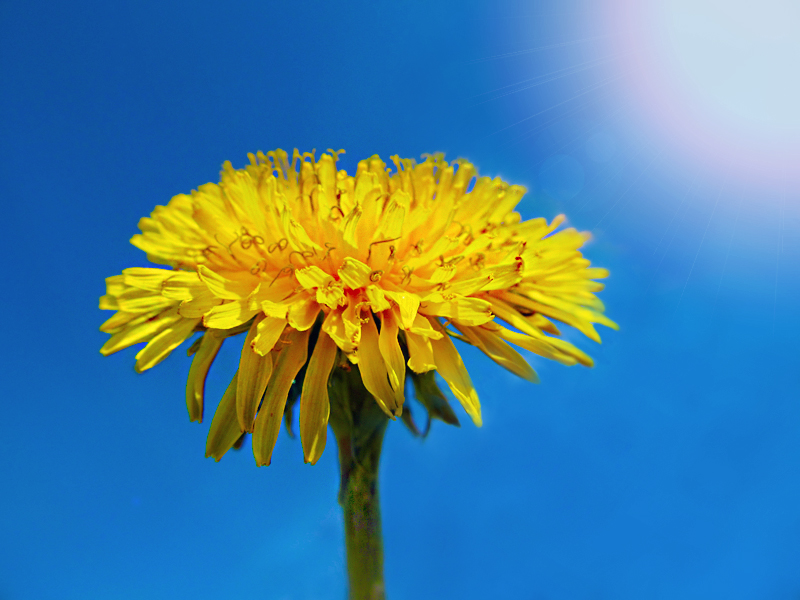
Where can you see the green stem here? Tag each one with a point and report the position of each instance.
(359, 425)
(362, 523)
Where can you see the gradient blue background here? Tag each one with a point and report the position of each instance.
(670, 470)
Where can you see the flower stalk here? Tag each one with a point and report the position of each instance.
(359, 426)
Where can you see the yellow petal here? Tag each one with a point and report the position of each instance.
(367, 196)
(268, 331)
(224, 430)
(499, 351)
(354, 274)
(373, 369)
(298, 238)
(422, 326)
(140, 333)
(420, 352)
(165, 342)
(229, 315)
(197, 307)
(450, 366)
(328, 291)
(143, 303)
(349, 225)
(115, 285)
(184, 286)
(122, 320)
(351, 318)
(288, 362)
(408, 303)
(391, 225)
(254, 372)
(146, 278)
(312, 277)
(233, 287)
(465, 310)
(511, 316)
(314, 403)
(570, 318)
(334, 326)
(108, 302)
(303, 313)
(201, 363)
(392, 354)
(377, 299)
(540, 345)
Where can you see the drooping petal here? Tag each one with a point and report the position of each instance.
(210, 344)
(373, 369)
(450, 366)
(499, 351)
(334, 326)
(288, 361)
(392, 354)
(541, 345)
(254, 373)
(314, 402)
(225, 428)
(268, 331)
(408, 303)
(420, 352)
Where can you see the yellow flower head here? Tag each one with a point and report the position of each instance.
(382, 267)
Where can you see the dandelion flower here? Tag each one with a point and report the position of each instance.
(381, 269)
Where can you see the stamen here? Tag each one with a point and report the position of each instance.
(330, 249)
(228, 247)
(369, 253)
(302, 253)
(281, 245)
(288, 269)
(335, 154)
(259, 266)
(246, 240)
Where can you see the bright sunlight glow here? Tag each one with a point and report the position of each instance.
(720, 78)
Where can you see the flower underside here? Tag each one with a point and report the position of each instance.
(383, 268)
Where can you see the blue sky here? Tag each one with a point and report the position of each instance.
(669, 470)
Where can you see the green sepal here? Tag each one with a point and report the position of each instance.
(237, 445)
(408, 421)
(431, 397)
(195, 346)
